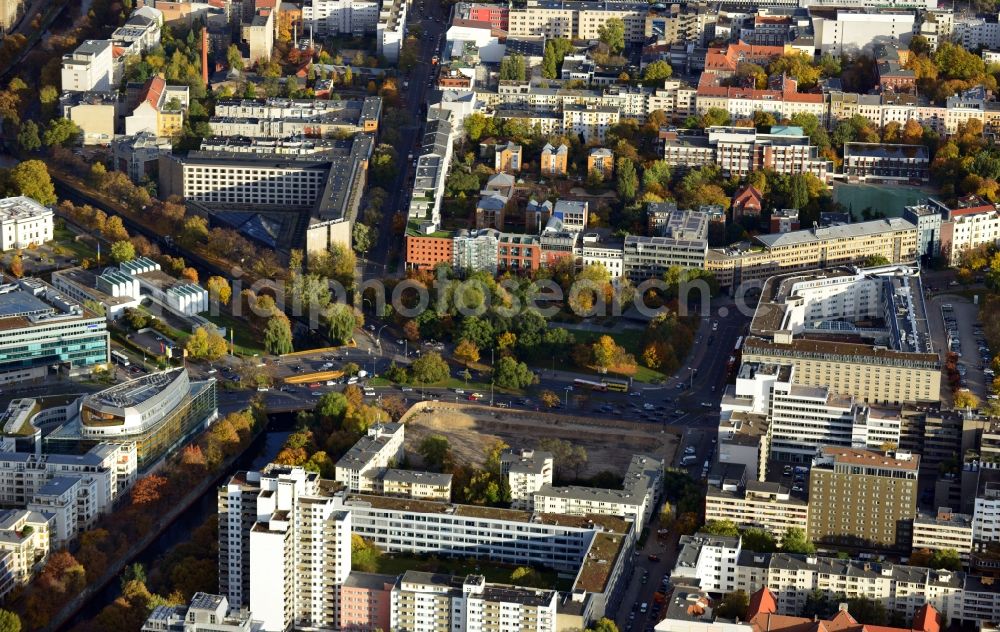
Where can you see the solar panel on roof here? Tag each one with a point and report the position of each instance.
(21, 303)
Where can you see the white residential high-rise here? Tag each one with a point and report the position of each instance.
(364, 464)
(635, 501)
(285, 553)
(806, 417)
(89, 68)
(526, 471)
(721, 565)
(944, 530)
(797, 419)
(206, 613)
(299, 542)
(426, 601)
(333, 17)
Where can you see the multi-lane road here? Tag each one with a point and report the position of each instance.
(688, 401)
(431, 19)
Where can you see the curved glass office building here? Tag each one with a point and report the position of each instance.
(158, 412)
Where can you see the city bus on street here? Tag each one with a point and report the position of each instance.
(594, 386)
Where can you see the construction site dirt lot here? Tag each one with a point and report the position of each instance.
(610, 443)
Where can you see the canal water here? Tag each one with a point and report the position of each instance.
(261, 452)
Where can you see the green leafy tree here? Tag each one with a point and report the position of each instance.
(946, 558)
(429, 368)
(872, 261)
(27, 136)
(628, 181)
(477, 330)
(278, 334)
(798, 195)
(362, 238)
(332, 406)
(341, 321)
(954, 62)
(31, 178)
(397, 374)
(734, 605)
(234, 57)
(795, 541)
(813, 128)
(721, 527)
(758, 541)
(478, 126)
(556, 50)
(570, 460)
(829, 65)
(657, 72)
(193, 231)
(364, 555)
(797, 65)
(512, 68)
(612, 33)
(867, 611)
(920, 45)
(9, 621)
(604, 624)
(384, 166)
(96, 307)
(656, 176)
(715, 116)
(61, 132)
(436, 452)
(763, 121)
(818, 605)
(513, 374)
(122, 251)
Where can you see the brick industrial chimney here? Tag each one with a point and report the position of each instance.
(204, 55)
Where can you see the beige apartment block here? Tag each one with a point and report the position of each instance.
(863, 497)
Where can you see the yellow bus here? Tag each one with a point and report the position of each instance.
(619, 386)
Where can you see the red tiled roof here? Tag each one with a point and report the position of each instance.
(763, 600)
(762, 616)
(927, 619)
(728, 58)
(153, 91)
(709, 85)
(747, 192)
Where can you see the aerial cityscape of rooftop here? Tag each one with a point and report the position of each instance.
(499, 316)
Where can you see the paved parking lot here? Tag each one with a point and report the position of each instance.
(953, 328)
